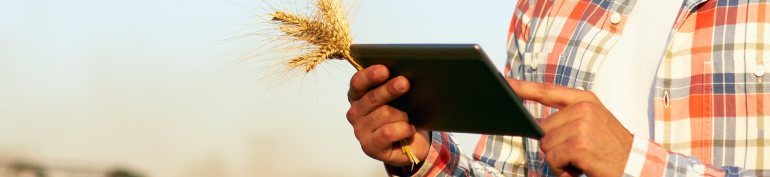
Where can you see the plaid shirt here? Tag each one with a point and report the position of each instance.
(708, 99)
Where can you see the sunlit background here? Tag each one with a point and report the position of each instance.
(90, 86)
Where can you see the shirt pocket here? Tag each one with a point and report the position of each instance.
(735, 90)
(711, 91)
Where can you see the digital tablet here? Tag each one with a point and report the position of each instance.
(454, 87)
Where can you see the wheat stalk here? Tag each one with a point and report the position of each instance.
(308, 35)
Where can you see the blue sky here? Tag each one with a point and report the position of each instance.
(143, 84)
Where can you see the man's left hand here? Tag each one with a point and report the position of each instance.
(583, 136)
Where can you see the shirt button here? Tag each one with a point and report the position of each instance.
(759, 71)
(615, 18)
(534, 61)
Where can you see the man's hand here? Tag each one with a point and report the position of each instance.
(583, 136)
(379, 127)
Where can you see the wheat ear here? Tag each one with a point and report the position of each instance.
(312, 38)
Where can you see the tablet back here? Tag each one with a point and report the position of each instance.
(454, 87)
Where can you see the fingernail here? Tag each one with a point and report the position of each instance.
(380, 73)
(401, 85)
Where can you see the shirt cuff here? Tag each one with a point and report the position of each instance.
(646, 158)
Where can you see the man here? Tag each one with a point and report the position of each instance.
(625, 87)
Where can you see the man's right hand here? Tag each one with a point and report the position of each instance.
(378, 126)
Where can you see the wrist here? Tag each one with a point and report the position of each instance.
(429, 135)
(645, 158)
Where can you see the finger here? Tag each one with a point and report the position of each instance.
(373, 99)
(548, 94)
(365, 79)
(419, 145)
(563, 134)
(559, 159)
(382, 116)
(379, 144)
(573, 153)
(592, 113)
(566, 115)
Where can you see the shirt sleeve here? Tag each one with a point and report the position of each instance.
(648, 158)
(445, 158)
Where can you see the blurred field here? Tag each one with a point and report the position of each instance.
(89, 87)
